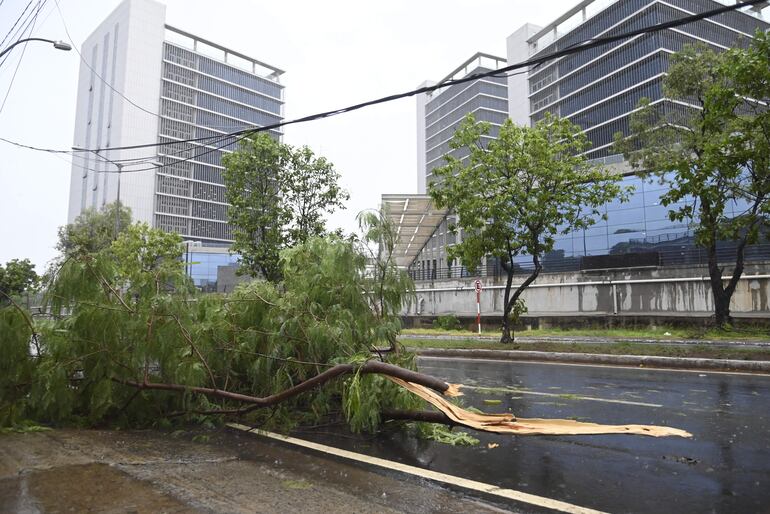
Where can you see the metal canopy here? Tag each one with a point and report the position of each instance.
(415, 219)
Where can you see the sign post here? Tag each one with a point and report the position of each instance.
(478, 304)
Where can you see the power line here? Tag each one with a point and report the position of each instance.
(75, 47)
(16, 22)
(575, 48)
(20, 32)
(510, 74)
(31, 26)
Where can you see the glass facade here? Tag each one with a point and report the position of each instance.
(202, 97)
(202, 267)
(639, 224)
(598, 89)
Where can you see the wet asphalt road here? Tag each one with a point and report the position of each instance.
(725, 467)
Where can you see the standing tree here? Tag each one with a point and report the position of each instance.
(93, 230)
(258, 216)
(310, 189)
(15, 278)
(515, 193)
(712, 149)
(388, 287)
(278, 196)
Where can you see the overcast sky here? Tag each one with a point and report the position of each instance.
(334, 52)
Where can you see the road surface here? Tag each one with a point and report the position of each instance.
(725, 467)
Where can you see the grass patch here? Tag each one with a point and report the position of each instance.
(296, 484)
(23, 428)
(736, 334)
(619, 348)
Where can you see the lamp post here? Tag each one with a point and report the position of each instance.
(117, 201)
(119, 166)
(59, 45)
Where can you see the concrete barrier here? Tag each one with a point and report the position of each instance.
(605, 359)
(666, 292)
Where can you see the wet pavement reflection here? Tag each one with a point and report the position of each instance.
(725, 467)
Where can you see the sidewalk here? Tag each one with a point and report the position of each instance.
(152, 471)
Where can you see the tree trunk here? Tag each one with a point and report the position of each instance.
(723, 295)
(506, 336)
(510, 300)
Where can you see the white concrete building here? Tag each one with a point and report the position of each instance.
(146, 82)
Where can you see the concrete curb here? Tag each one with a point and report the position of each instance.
(597, 340)
(600, 358)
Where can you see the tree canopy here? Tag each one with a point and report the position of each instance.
(515, 193)
(93, 230)
(389, 288)
(16, 277)
(279, 196)
(131, 342)
(711, 147)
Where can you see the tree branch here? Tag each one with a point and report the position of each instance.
(108, 286)
(24, 314)
(189, 340)
(330, 374)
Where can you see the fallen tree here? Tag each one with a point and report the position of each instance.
(126, 341)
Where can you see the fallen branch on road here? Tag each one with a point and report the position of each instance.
(430, 389)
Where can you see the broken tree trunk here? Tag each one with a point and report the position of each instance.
(430, 389)
(509, 424)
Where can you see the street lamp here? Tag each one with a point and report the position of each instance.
(59, 45)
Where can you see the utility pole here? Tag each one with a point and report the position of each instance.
(119, 166)
(117, 201)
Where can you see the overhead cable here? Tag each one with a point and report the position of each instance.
(31, 27)
(88, 65)
(574, 48)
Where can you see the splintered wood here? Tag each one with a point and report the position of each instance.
(509, 424)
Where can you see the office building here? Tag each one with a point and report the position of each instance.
(598, 89)
(177, 86)
(439, 113)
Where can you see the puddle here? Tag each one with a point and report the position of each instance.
(83, 488)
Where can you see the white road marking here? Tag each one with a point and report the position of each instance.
(563, 395)
(473, 485)
(645, 368)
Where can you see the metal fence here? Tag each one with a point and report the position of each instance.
(685, 255)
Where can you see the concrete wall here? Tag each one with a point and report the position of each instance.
(671, 292)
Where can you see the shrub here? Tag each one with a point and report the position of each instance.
(448, 322)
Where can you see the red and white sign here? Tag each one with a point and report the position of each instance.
(478, 304)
